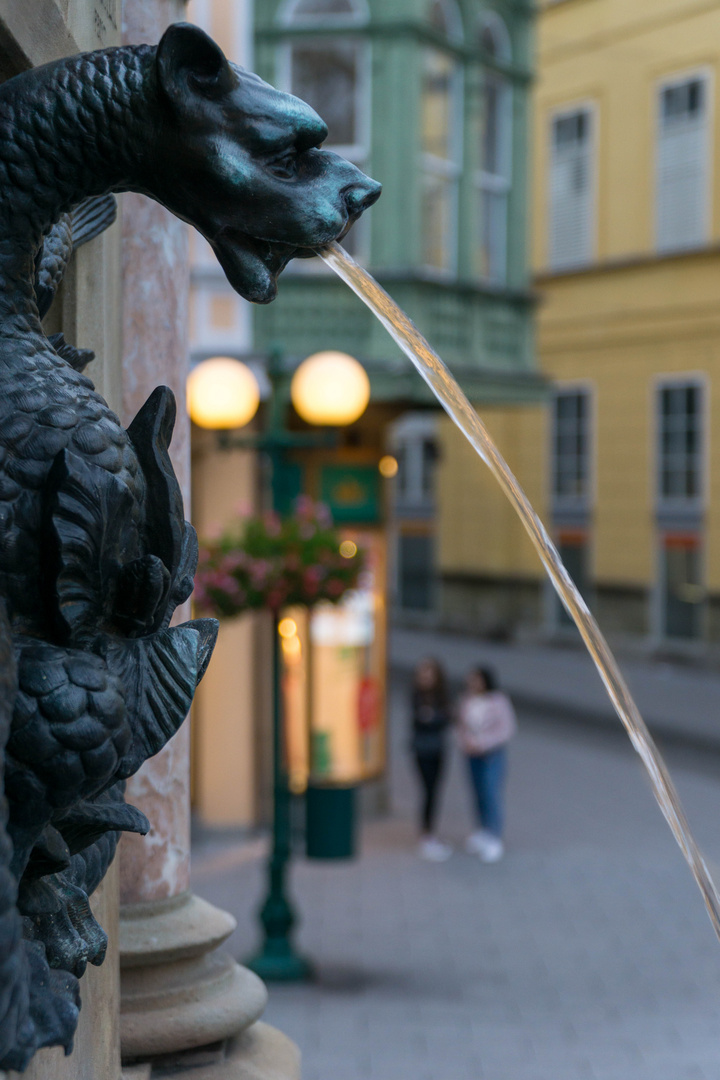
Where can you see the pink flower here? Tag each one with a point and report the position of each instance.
(235, 560)
(243, 508)
(323, 515)
(304, 506)
(335, 587)
(272, 523)
(259, 571)
(307, 530)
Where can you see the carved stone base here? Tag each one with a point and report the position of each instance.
(259, 1053)
(177, 993)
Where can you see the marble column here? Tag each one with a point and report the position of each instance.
(184, 1004)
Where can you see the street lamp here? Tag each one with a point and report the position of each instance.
(328, 389)
(222, 393)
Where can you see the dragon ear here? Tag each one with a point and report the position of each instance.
(189, 63)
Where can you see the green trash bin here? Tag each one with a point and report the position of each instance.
(330, 821)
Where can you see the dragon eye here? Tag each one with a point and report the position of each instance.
(284, 166)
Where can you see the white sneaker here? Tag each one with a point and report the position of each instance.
(492, 849)
(475, 843)
(434, 850)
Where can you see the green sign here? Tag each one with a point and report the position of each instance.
(352, 492)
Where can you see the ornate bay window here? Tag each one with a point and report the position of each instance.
(430, 97)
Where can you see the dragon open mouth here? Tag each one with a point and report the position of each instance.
(252, 265)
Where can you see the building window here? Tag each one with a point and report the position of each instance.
(571, 448)
(494, 177)
(416, 570)
(680, 444)
(571, 196)
(682, 218)
(331, 73)
(682, 592)
(444, 16)
(441, 143)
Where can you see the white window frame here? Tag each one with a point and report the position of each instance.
(448, 169)
(209, 339)
(589, 106)
(357, 152)
(665, 505)
(490, 20)
(453, 18)
(287, 17)
(666, 83)
(570, 505)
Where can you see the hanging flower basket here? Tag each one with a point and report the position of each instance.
(275, 562)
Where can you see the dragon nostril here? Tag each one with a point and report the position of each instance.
(360, 197)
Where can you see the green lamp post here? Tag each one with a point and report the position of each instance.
(328, 389)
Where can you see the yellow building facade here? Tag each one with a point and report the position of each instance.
(623, 461)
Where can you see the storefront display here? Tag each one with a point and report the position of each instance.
(334, 679)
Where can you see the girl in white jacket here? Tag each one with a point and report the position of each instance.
(486, 723)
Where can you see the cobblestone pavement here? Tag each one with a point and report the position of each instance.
(585, 955)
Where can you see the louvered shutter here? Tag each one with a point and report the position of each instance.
(682, 166)
(570, 240)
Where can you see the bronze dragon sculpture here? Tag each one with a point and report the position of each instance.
(95, 555)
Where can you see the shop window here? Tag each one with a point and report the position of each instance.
(571, 449)
(680, 444)
(331, 73)
(681, 591)
(416, 570)
(495, 176)
(682, 195)
(571, 196)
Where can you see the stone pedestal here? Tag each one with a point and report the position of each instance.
(178, 991)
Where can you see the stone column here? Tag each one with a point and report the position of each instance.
(182, 1002)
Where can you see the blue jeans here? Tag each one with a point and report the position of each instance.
(487, 772)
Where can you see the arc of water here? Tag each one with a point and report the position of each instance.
(457, 406)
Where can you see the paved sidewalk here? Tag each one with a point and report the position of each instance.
(676, 701)
(585, 955)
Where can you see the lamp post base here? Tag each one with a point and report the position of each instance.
(276, 962)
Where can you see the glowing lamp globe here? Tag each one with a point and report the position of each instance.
(222, 393)
(330, 388)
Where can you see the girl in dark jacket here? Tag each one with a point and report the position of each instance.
(430, 720)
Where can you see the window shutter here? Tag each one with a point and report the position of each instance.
(681, 166)
(571, 231)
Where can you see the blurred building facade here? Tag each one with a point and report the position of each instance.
(626, 204)
(431, 97)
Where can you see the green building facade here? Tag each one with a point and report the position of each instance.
(431, 97)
